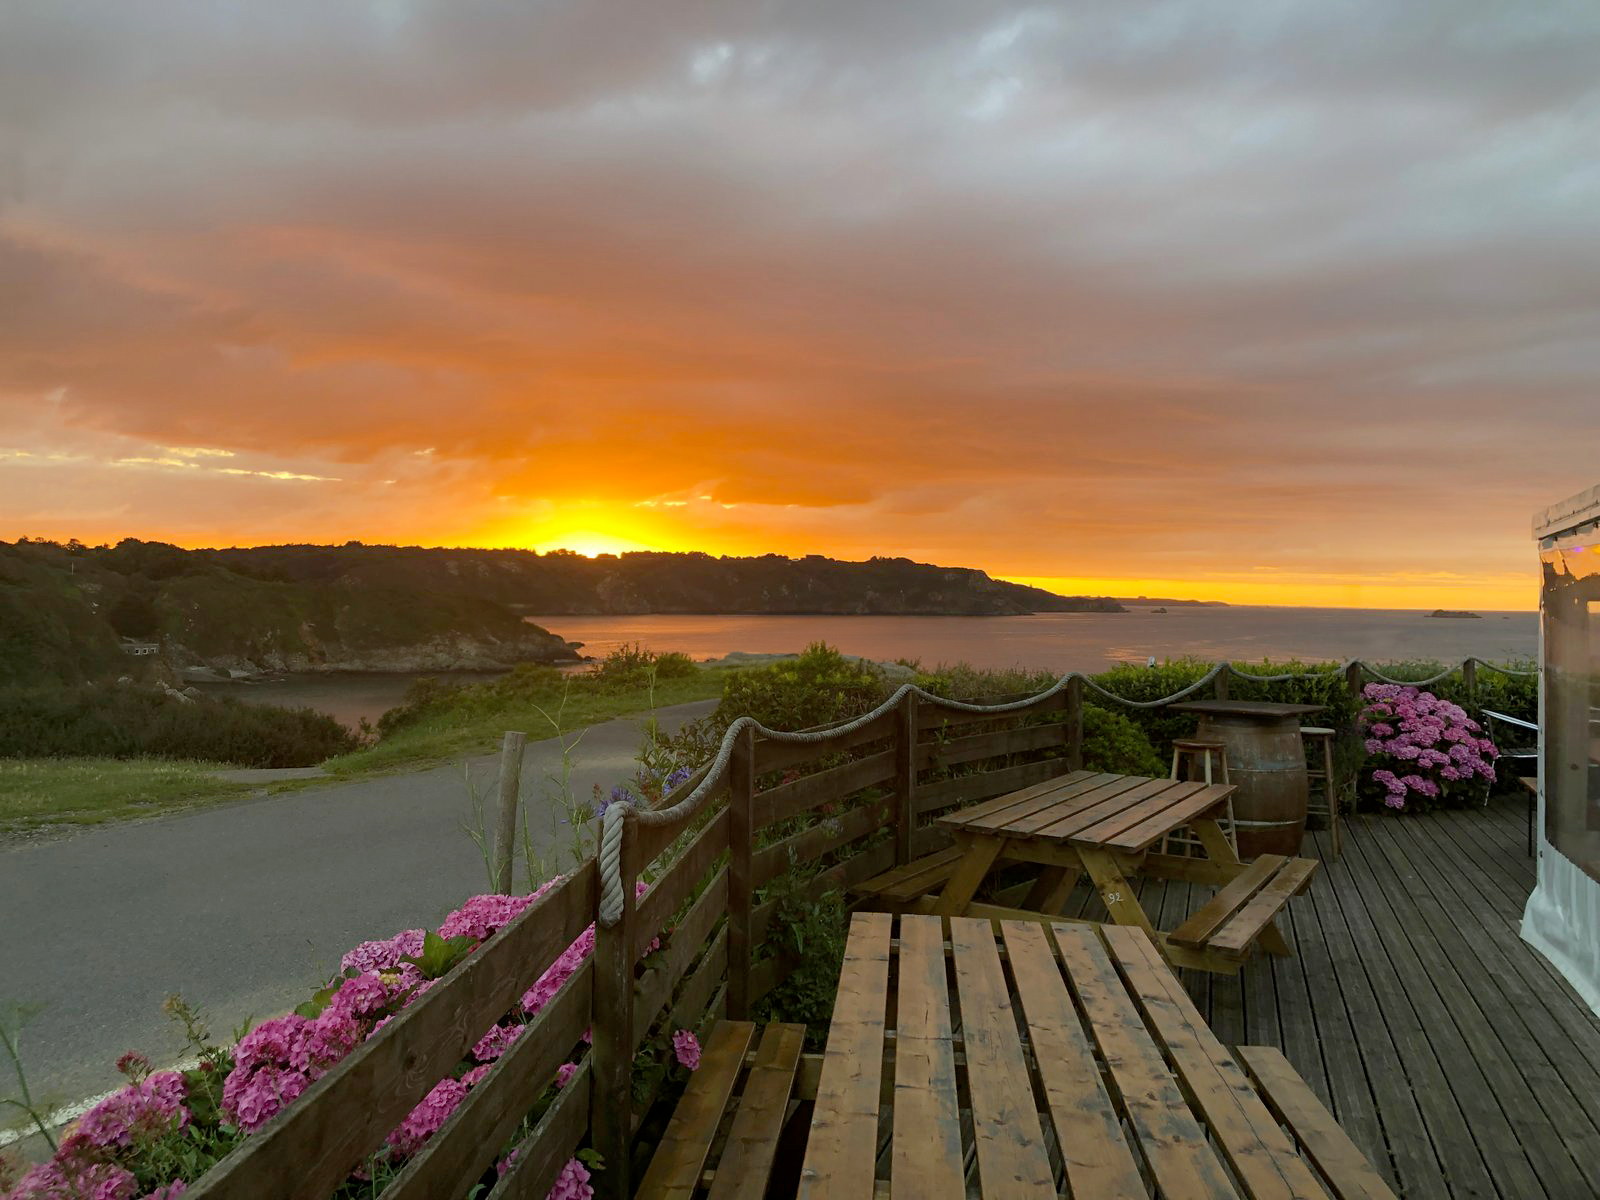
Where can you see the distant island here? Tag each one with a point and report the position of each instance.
(72, 612)
(1455, 614)
(1152, 601)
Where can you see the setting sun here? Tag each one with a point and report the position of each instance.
(591, 544)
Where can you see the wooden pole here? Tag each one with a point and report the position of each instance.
(1075, 722)
(742, 782)
(905, 777)
(611, 1097)
(505, 830)
(1222, 681)
(1469, 678)
(1352, 681)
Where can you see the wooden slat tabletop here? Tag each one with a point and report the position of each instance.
(1032, 1060)
(1121, 812)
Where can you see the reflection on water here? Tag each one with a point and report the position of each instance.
(1049, 641)
(1080, 641)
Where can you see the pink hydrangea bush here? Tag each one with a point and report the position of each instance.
(124, 1147)
(99, 1155)
(1422, 750)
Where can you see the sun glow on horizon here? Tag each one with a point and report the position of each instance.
(591, 544)
(1497, 593)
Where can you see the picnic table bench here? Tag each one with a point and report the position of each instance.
(1035, 1059)
(1109, 826)
(749, 1145)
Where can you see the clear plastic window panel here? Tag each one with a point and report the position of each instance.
(1571, 608)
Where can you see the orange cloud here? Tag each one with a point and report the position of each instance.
(974, 286)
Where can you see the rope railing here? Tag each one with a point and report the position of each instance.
(699, 789)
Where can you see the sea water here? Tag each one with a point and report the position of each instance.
(1056, 642)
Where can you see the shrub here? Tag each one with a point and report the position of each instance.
(962, 681)
(1131, 682)
(143, 722)
(1112, 742)
(673, 665)
(810, 933)
(1423, 752)
(818, 687)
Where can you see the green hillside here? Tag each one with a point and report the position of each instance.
(65, 611)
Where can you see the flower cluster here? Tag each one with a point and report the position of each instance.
(572, 1183)
(481, 916)
(687, 1048)
(423, 1121)
(279, 1059)
(388, 955)
(89, 1160)
(648, 789)
(110, 1149)
(1423, 745)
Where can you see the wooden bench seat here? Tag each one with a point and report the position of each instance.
(1346, 1169)
(679, 1168)
(913, 880)
(1242, 911)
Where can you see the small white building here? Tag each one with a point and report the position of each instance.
(1562, 919)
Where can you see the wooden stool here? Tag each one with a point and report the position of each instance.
(1188, 756)
(1319, 776)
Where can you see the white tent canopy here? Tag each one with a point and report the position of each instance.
(1562, 919)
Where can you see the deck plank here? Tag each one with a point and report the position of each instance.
(1406, 944)
(1263, 1157)
(927, 1155)
(1173, 1142)
(1544, 1115)
(1096, 1159)
(842, 1150)
(1006, 1132)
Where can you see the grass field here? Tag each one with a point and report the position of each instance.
(89, 791)
(454, 723)
(475, 723)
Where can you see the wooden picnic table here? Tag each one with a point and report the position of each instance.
(1087, 1072)
(1107, 825)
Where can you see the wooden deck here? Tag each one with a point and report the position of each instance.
(1452, 1053)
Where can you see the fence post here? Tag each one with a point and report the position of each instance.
(1075, 722)
(905, 777)
(1222, 681)
(1352, 681)
(505, 830)
(1469, 678)
(742, 782)
(611, 1094)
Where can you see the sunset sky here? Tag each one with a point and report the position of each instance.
(1284, 303)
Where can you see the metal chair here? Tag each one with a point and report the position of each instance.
(1188, 757)
(1322, 798)
(1521, 728)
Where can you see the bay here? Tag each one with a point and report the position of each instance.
(1056, 642)
(1086, 641)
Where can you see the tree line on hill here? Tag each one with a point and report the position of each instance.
(66, 610)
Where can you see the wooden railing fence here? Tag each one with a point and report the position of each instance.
(834, 809)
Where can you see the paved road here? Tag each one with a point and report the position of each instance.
(243, 908)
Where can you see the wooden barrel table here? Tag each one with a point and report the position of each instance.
(1267, 763)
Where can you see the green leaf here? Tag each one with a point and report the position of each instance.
(440, 954)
